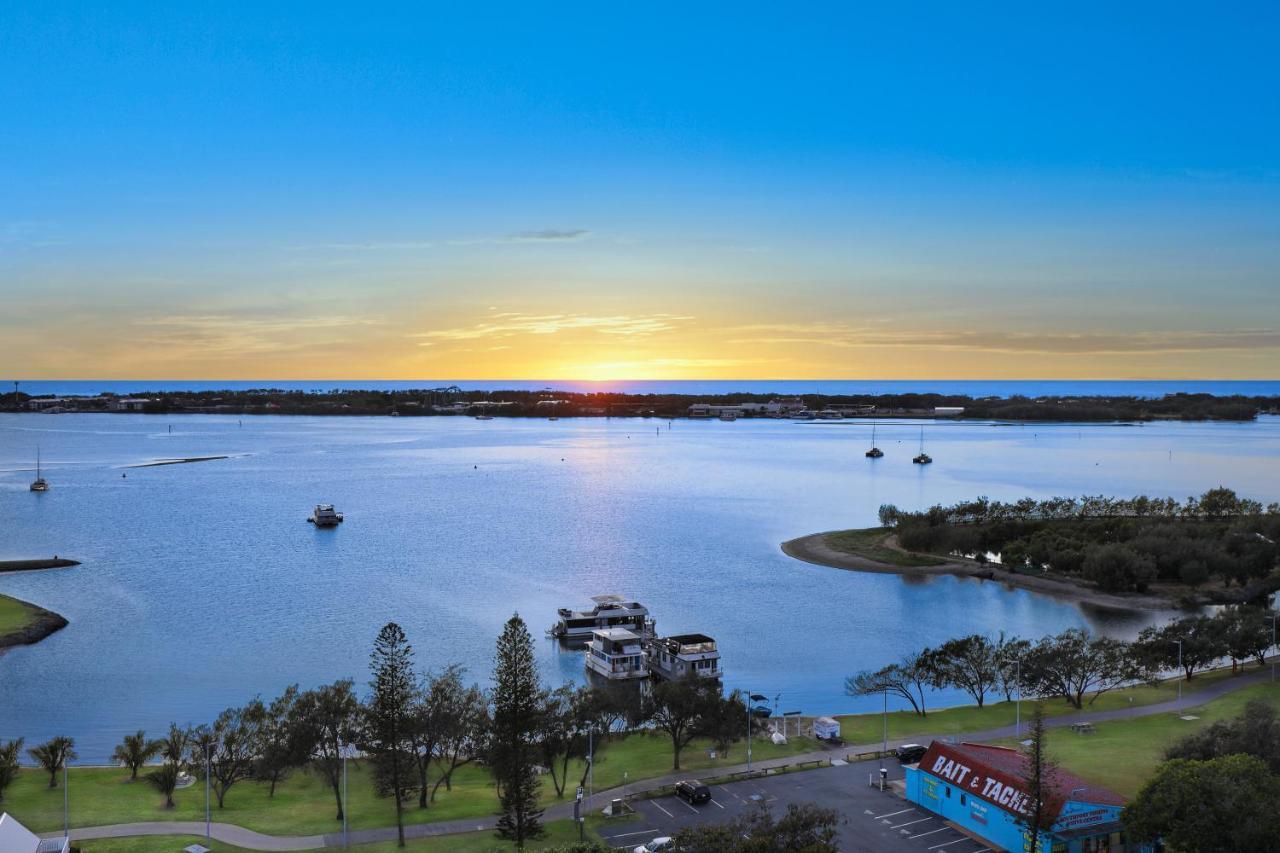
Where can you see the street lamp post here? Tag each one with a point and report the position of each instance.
(344, 797)
(207, 819)
(1273, 646)
(748, 703)
(1017, 708)
(66, 822)
(1179, 706)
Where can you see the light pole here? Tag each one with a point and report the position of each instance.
(1273, 645)
(344, 796)
(66, 822)
(1017, 708)
(207, 826)
(748, 704)
(884, 718)
(1179, 706)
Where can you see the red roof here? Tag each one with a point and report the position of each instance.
(997, 775)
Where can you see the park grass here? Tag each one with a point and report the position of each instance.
(1123, 754)
(558, 832)
(869, 543)
(15, 615)
(868, 728)
(304, 804)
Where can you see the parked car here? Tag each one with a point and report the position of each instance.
(657, 845)
(693, 792)
(910, 753)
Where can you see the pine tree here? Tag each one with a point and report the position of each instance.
(517, 700)
(388, 715)
(1038, 783)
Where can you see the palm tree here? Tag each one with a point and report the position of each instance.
(53, 755)
(135, 750)
(8, 764)
(165, 779)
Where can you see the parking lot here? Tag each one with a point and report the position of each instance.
(873, 820)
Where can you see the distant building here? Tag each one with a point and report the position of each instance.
(981, 789)
(39, 404)
(948, 411)
(16, 838)
(127, 404)
(783, 405)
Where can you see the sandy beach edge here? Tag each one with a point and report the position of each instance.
(814, 549)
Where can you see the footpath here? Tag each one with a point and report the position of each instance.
(239, 836)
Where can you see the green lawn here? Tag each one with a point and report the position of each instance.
(868, 728)
(304, 804)
(869, 543)
(14, 615)
(1123, 754)
(558, 832)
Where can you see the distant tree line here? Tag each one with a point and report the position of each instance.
(1074, 665)
(572, 403)
(415, 729)
(1120, 544)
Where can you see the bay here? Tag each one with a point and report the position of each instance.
(202, 585)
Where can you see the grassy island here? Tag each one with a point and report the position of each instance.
(1134, 552)
(22, 623)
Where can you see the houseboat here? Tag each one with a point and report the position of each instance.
(830, 415)
(616, 654)
(325, 515)
(675, 657)
(610, 611)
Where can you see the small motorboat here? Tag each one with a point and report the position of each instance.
(325, 515)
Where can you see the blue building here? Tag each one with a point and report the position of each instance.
(980, 788)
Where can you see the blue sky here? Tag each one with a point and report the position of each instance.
(584, 191)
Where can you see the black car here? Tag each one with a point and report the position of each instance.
(693, 791)
(910, 753)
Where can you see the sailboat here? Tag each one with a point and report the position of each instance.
(874, 452)
(923, 458)
(39, 484)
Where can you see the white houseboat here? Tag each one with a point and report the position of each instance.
(610, 611)
(325, 516)
(616, 654)
(684, 654)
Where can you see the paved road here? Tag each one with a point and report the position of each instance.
(241, 837)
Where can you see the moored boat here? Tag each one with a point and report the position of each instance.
(610, 611)
(39, 484)
(325, 515)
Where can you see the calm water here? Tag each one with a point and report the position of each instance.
(203, 585)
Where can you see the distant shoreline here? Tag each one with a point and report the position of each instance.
(814, 549)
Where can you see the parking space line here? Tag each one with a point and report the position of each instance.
(949, 843)
(661, 809)
(714, 803)
(625, 834)
(891, 814)
(930, 832)
(910, 822)
(687, 806)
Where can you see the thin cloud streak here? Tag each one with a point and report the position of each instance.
(509, 324)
